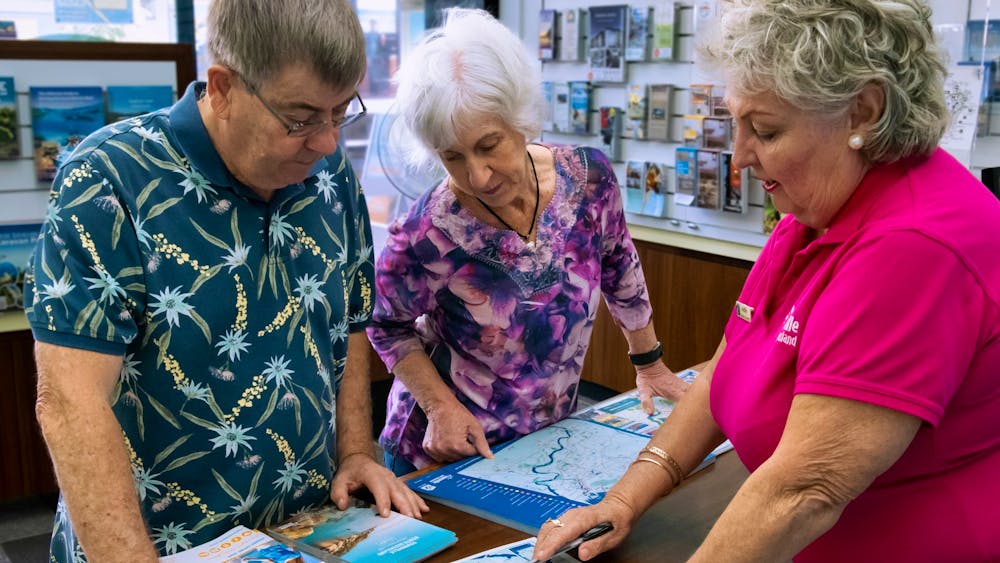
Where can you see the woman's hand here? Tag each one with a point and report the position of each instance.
(656, 379)
(453, 433)
(575, 522)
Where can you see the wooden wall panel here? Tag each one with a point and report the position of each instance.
(692, 296)
(25, 467)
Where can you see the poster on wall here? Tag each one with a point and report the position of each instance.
(962, 91)
(93, 11)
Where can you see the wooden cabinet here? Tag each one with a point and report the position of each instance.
(25, 468)
(692, 296)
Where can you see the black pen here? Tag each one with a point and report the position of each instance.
(595, 532)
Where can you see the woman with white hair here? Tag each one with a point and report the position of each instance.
(487, 289)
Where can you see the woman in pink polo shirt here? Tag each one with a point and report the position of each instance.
(859, 374)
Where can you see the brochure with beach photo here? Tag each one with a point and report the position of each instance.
(61, 116)
(131, 101)
(17, 242)
(359, 535)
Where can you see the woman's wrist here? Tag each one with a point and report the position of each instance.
(642, 359)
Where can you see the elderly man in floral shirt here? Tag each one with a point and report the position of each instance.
(199, 294)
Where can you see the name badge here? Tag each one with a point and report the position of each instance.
(744, 311)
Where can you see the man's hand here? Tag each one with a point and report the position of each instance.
(656, 379)
(453, 433)
(361, 470)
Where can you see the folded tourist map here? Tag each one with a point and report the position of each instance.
(571, 463)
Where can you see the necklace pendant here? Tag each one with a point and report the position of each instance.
(530, 244)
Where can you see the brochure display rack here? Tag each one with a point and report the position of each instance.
(25, 468)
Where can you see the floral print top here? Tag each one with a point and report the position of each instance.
(506, 326)
(232, 315)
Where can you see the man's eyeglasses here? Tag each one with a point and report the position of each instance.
(354, 111)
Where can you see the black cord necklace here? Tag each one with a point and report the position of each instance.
(534, 214)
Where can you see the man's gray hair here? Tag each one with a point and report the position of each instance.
(819, 54)
(470, 68)
(257, 38)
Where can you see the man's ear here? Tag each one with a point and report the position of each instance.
(868, 107)
(219, 89)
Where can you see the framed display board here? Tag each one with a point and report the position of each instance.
(33, 64)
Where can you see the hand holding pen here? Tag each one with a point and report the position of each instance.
(591, 530)
(595, 532)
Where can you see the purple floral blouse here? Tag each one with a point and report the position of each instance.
(506, 326)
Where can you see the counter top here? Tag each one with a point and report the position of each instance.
(748, 252)
(12, 321)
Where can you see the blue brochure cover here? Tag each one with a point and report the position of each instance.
(17, 242)
(61, 116)
(579, 107)
(359, 535)
(130, 101)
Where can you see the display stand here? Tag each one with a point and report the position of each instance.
(25, 468)
(67, 63)
(736, 235)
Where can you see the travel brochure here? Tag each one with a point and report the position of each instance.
(10, 145)
(570, 463)
(328, 534)
(240, 545)
(17, 241)
(359, 535)
(131, 101)
(61, 116)
(515, 552)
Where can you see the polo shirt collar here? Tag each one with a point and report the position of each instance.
(185, 120)
(879, 183)
(197, 145)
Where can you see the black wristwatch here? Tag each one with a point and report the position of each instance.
(647, 357)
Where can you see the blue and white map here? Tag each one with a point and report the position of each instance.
(515, 552)
(571, 463)
(574, 459)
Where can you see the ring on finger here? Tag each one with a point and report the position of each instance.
(556, 522)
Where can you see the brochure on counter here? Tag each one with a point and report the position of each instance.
(515, 552)
(354, 535)
(570, 463)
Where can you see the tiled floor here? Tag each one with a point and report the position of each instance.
(25, 528)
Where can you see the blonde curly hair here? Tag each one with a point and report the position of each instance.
(819, 54)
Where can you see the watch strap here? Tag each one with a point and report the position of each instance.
(647, 357)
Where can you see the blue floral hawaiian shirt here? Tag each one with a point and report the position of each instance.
(231, 313)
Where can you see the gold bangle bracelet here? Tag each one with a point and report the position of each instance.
(673, 478)
(658, 452)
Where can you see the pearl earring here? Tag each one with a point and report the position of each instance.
(856, 141)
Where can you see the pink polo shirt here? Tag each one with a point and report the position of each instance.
(897, 305)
